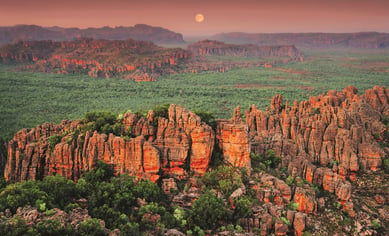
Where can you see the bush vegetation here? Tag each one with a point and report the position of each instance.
(28, 99)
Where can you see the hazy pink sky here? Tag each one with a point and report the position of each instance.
(220, 15)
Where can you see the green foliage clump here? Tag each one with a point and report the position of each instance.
(60, 191)
(149, 191)
(53, 227)
(285, 221)
(21, 194)
(100, 173)
(91, 227)
(16, 226)
(375, 224)
(225, 178)
(54, 140)
(292, 206)
(206, 117)
(102, 121)
(161, 110)
(261, 163)
(208, 210)
(243, 208)
(154, 215)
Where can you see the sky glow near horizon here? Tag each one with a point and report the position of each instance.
(253, 16)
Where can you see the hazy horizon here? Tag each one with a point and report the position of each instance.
(249, 16)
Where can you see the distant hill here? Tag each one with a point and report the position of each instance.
(217, 48)
(139, 60)
(316, 40)
(138, 32)
(129, 59)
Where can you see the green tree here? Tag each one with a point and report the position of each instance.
(101, 172)
(155, 217)
(91, 227)
(243, 208)
(54, 228)
(60, 191)
(21, 194)
(208, 210)
(149, 191)
(53, 141)
(16, 227)
(206, 117)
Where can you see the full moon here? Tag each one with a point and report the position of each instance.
(199, 18)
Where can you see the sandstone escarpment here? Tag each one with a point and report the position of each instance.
(161, 146)
(138, 32)
(233, 139)
(128, 59)
(315, 40)
(325, 140)
(217, 48)
(136, 60)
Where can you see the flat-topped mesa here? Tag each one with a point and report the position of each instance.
(339, 129)
(9, 34)
(218, 48)
(160, 143)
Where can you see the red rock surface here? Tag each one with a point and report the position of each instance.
(336, 129)
(212, 48)
(135, 59)
(233, 139)
(326, 140)
(128, 59)
(180, 138)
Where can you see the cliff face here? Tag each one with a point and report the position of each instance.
(179, 139)
(325, 140)
(316, 40)
(129, 59)
(135, 59)
(217, 48)
(329, 144)
(138, 32)
(233, 139)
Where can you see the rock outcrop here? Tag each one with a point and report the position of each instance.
(128, 59)
(217, 48)
(174, 145)
(337, 127)
(315, 40)
(9, 34)
(134, 59)
(324, 142)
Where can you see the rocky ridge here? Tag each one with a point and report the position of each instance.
(134, 59)
(158, 144)
(218, 48)
(315, 40)
(11, 34)
(325, 146)
(128, 59)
